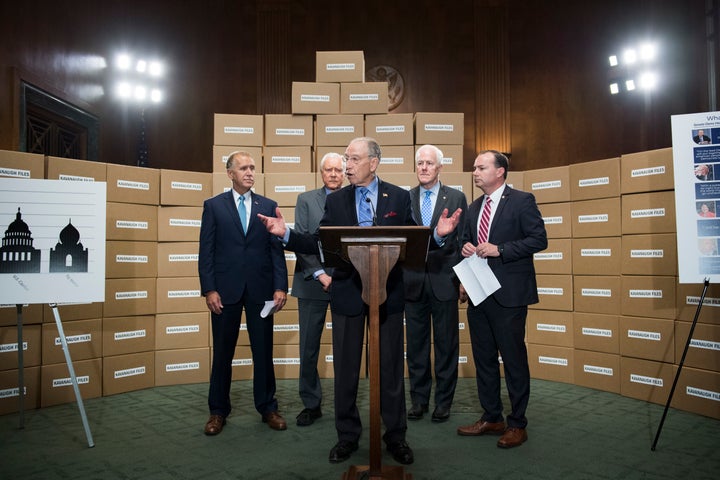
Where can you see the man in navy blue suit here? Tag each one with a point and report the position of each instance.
(367, 201)
(241, 266)
(505, 227)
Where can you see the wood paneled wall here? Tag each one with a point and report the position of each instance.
(529, 75)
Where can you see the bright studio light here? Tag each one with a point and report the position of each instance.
(613, 60)
(648, 80)
(156, 95)
(614, 89)
(636, 69)
(630, 85)
(140, 93)
(139, 79)
(123, 61)
(630, 56)
(156, 69)
(648, 51)
(141, 66)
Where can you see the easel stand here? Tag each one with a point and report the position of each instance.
(71, 369)
(374, 252)
(682, 361)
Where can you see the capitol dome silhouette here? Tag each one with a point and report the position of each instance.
(17, 254)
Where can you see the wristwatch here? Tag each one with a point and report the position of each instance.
(500, 248)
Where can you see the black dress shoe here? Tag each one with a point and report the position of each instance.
(342, 451)
(401, 452)
(416, 411)
(308, 416)
(440, 414)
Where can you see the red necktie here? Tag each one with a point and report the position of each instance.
(484, 222)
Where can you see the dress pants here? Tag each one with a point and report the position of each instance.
(225, 329)
(445, 336)
(311, 315)
(492, 328)
(348, 334)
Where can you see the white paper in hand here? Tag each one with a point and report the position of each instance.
(268, 309)
(477, 278)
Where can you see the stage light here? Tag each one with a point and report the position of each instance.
(141, 66)
(124, 90)
(614, 89)
(140, 93)
(613, 60)
(123, 61)
(630, 56)
(636, 69)
(648, 80)
(630, 85)
(648, 52)
(156, 95)
(156, 69)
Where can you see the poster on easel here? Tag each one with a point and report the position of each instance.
(53, 241)
(696, 163)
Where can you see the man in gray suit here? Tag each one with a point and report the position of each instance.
(310, 285)
(432, 294)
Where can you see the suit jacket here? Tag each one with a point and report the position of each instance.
(231, 261)
(701, 139)
(440, 261)
(517, 226)
(308, 213)
(393, 208)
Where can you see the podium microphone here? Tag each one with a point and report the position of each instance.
(374, 215)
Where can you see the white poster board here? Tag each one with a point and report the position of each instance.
(696, 162)
(53, 243)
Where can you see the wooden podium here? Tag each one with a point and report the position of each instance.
(374, 251)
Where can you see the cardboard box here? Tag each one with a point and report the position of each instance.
(126, 297)
(31, 314)
(286, 328)
(177, 259)
(397, 158)
(184, 188)
(284, 129)
(646, 379)
(131, 259)
(597, 370)
(179, 224)
(597, 179)
(21, 165)
(73, 311)
(127, 373)
(647, 171)
(557, 218)
(325, 361)
(464, 326)
(698, 391)
(556, 259)
(596, 256)
(404, 180)
(516, 180)
(84, 339)
(286, 360)
(648, 213)
(596, 218)
(338, 129)
(596, 332)
(10, 390)
(368, 97)
(56, 384)
(128, 184)
(654, 254)
(179, 294)
(439, 128)
(182, 366)
(123, 335)
(551, 363)
(312, 97)
(284, 188)
(57, 168)
(32, 346)
(550, 327)
(221, 154)
(704, 348)
(688, 299)
(340, 66)
(457, 180)
(452, 160)
(390, 128)
(242, 363)
(549, 185)
(182, 330)
(138, 223)
(466, 362)
(645, 296)
(647, 338)
(287, 159)
(232, 129)
(221, 183)
(555, 292)
(597, 294)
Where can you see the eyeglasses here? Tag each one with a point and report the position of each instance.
(354, 160)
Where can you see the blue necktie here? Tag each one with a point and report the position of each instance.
(426, 208)
(241, 212)
(365, 217)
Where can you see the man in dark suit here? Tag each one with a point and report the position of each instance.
(241, 266)
(701, 138)
(505, 227)
(433, 294)
(310, 285)
(367, 201)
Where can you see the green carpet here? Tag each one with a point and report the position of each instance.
(574, 433)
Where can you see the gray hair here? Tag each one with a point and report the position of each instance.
(438, 153)
(237, 153)
(332, 155)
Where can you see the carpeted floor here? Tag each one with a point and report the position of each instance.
(575, 433)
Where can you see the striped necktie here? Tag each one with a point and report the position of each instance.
(484, 222)
(365, 217)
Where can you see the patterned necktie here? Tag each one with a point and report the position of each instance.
(242, 212)
(484, 222)
(426, 208)
(365, 217)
